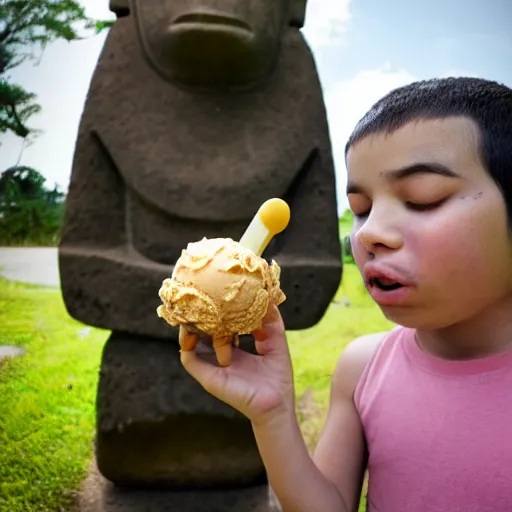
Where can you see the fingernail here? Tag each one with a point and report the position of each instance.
(272, 315)
(260, 334)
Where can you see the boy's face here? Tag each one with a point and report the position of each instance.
(429, 216)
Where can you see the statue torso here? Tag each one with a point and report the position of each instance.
(186, 156)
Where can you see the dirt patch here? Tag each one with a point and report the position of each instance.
(311, 416)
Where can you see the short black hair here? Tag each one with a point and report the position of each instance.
(487, 103)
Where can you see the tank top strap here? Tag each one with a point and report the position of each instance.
(380, 358)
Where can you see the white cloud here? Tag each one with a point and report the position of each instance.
(347, 101)
(97, 9)
(326, 22)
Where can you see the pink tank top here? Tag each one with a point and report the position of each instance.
(439, 432)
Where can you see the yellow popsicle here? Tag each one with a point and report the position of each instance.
(272, 218)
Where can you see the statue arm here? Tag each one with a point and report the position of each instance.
(98, 267)
(95, 205)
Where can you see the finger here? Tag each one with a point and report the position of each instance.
(187, 341)
(260, 334)
(273, 322)
(210, 376)
(272, 314)
(222, 347)
(271, 337)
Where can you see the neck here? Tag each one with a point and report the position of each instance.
(486, 334)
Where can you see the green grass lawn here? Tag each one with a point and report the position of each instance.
(47, 397)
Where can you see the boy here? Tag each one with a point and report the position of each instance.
(426, 407)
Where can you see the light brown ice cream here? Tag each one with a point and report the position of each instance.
(222, 289)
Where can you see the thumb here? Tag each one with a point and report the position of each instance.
(271, 336)
(211, 377)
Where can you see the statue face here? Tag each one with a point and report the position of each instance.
(213, 43)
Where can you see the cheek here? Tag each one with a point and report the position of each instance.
(466, 245)
(436, 247)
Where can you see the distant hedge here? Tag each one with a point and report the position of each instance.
(30, 214)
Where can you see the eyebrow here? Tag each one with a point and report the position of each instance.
(407, 172)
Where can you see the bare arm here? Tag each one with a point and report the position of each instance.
(296, 481)
(340, 453)
(332, 479)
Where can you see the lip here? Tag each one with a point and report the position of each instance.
(389, 298)
(211, 19)
(386, 298)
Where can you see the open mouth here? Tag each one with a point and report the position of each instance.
(211, 19)
(384, 284)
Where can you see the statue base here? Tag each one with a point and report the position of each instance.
(158, 428)
(99, 495)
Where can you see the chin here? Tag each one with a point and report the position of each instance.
(413, 318)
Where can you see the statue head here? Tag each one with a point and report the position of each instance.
(213, 43)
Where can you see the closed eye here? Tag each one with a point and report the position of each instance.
(424, 207)
(417, 207)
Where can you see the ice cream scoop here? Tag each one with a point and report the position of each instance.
(224, 288)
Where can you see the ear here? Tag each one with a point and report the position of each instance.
(120, 7)
(297, 13)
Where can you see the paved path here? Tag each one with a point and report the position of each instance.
(33, 265)
(30, 265)
(7, 351)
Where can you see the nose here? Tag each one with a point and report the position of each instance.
(379, 232)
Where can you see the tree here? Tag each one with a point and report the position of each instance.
(26, 25)
(21, 183)
(29, 212)
(16, 106)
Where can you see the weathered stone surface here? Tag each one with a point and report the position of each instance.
(157, 427)
(158, 165)
(99, 495)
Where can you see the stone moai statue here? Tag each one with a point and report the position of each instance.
(198, 112)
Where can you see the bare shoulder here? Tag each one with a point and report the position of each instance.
(353, 360)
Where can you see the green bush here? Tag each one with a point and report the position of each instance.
(30, 214)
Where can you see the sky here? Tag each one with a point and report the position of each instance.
(363, 49)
